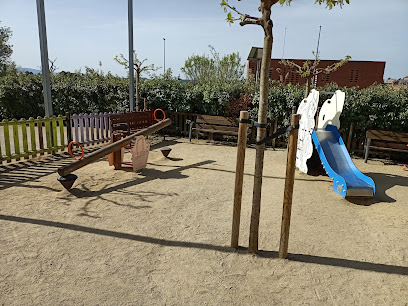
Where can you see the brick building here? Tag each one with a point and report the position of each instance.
(353, 73)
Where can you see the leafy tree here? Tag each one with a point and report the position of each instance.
(139, 69)
(5, 50)
(266, 24)
(209, 69)
(310, 70)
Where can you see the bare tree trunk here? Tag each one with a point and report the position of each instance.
(308, 85)
(137, 91)
(261, 132)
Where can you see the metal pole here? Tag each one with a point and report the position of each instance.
(317, 56)
(42, 31)
(131, 64)
(318, 42)
(164, 55)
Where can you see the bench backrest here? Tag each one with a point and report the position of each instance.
(131, 121)
(388, 136)
(217, 123)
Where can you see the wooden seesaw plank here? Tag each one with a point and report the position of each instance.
(65, 170)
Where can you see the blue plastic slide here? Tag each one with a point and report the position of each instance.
(347, 179)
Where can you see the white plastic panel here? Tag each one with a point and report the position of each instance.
(331, 110)
(307, 110)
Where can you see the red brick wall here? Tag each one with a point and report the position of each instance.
(353, 73)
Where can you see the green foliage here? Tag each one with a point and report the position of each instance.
(5, 50)
(21, 93)
(376, 107)
(213, 69)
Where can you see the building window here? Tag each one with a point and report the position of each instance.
(325, 78)
(354, 76)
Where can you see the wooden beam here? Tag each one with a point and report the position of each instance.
(288, 192)
(239, 178)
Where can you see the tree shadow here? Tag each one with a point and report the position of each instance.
(27, 171)
(383, 182)
(83, 191)
(312, 259)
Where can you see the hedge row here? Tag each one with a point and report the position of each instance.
(376, 107)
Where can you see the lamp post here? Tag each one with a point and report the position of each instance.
(131, 64)
(42, 31)
(164, 55)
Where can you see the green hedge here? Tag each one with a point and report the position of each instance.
(376, 107)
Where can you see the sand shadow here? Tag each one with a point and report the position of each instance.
(82, 191)
(311, 259)
(27, 171)
(149, 175)
(383, 182)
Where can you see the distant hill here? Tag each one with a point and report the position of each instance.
(35, 71)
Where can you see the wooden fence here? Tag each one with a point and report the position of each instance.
(28, 138)
(90, 129)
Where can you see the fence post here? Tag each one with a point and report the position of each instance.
(239, 178)
(31, 120)
(40, 135)
(16, 139)
(61, 132)
(69, 127)
(288, 192)
(54, 135)
(25, 140)
(6, 131)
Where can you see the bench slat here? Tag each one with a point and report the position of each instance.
(218, 127)
(388, 149)
(217, 131)
(388, 136)
(225, 122)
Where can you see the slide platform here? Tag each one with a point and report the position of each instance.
(347, 179)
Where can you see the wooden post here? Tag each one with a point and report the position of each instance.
(239, 178)
(117, 155)
(288, 192)
(40, 135)
(275, 128)
(350, 137)
(145, 105)
(317, 117)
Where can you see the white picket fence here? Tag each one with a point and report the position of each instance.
(90, 129)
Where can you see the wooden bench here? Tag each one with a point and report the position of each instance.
(386, 141)
(213, 125)
(131, 122)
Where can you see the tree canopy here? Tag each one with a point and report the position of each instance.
(5, 48)
(202, 69)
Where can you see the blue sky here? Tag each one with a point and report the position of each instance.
(82, 33)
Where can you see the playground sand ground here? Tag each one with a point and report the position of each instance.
(161, 237)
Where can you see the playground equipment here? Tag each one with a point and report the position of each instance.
(114, 148)
(347, 179)
(70, 150)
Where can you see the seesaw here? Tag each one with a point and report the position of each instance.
(66, 177)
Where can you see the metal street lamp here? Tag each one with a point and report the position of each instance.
(164, 55)
(131, 64)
